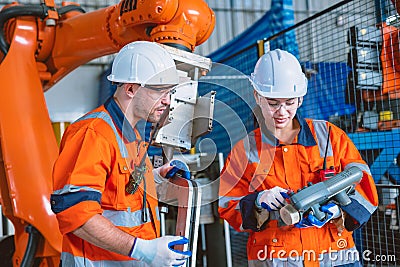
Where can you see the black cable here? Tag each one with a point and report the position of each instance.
(137, 175)
(16, 11)
(151, 139)
(65, 9)
(326, 148)
(33, 242)
(40, 11)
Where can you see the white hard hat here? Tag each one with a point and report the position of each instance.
(278, 74)
(144, 63)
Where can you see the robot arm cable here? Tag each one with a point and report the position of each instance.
(40, 11)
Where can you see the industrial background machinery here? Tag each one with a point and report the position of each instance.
(321, 38)
(40, 44)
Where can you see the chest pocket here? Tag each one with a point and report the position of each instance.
(114, 193)
(123, 199)
(122, 179)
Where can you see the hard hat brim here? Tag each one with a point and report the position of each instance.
(280, 94)
(159, 87)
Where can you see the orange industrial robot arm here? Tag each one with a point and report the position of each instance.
(39, 45)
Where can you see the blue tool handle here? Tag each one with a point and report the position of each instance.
(179, 168)
(182, 241)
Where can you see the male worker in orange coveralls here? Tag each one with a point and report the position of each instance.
(104, 197)
(287, 152)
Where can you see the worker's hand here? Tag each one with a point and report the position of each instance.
(179, 168)
(159, 252)
(160, 172)
(331, 210)
(272, 199)
(170, 169)
(339, 223)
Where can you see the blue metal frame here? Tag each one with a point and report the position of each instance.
(380, 140)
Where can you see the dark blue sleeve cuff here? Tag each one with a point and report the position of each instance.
(62, 202)
(357, 215)
(248, 211)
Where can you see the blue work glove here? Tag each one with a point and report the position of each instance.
(159, 252)
(179, 168)
(331, 210)
(272, 199)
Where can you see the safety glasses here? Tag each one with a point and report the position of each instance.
(276, 104)
(159, 88)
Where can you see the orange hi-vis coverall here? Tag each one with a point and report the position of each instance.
(98, 152)
(259, 162)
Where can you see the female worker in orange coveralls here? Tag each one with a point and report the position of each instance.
(284, 154)
(101, 153)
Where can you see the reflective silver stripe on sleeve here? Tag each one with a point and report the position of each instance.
(321, 130)
(70, 260)
(362, 166)
(104, 116)
(340, 257)
(365, 203)
(69, 188)
(125, 218)
(250, 147)
(223, 201)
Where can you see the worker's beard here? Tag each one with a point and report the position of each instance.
(156, 113)
(153, 118)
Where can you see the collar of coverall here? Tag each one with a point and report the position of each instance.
(305, 137)
(120, 120)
